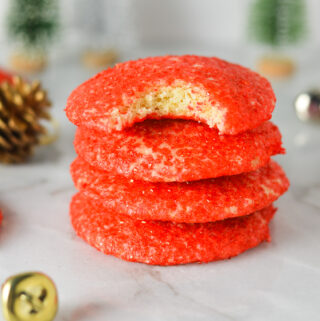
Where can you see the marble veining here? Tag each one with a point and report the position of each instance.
(275, 281)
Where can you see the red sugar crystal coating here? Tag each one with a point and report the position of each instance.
(0, 217)
(195, 202)
(100, 103)
(177, 150)
(167, 243)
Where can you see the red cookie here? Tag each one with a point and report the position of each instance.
(177, 150)
(220, 94)
(167, 243)
(193, 202)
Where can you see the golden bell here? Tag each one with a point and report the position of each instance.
(29, 296)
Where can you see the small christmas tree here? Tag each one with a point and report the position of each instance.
(277, 23)
(32, 24)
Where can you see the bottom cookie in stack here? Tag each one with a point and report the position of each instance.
(166, 243)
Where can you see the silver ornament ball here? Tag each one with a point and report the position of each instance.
(307, 105)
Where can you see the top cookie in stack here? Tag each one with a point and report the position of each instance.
(158, 139)
(222, 95)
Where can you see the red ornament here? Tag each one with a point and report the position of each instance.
(5, 76)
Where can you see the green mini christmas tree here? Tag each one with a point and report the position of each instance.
(32, 24)
(277, 23)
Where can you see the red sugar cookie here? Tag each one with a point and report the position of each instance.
(177, 150)
(220, 94)
(166, 243)
(193, 202)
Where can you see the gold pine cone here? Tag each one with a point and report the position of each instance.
(22, 107)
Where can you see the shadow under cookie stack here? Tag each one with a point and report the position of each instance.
(173, 161)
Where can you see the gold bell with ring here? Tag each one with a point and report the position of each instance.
(30, 296)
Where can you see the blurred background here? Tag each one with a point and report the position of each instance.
(166, 26)
(174, 22)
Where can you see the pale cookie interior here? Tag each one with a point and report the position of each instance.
(178, 100)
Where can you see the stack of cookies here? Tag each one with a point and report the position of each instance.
(174, 161)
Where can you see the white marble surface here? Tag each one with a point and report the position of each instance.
(276, 281)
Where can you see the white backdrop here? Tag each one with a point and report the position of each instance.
(168, 22)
